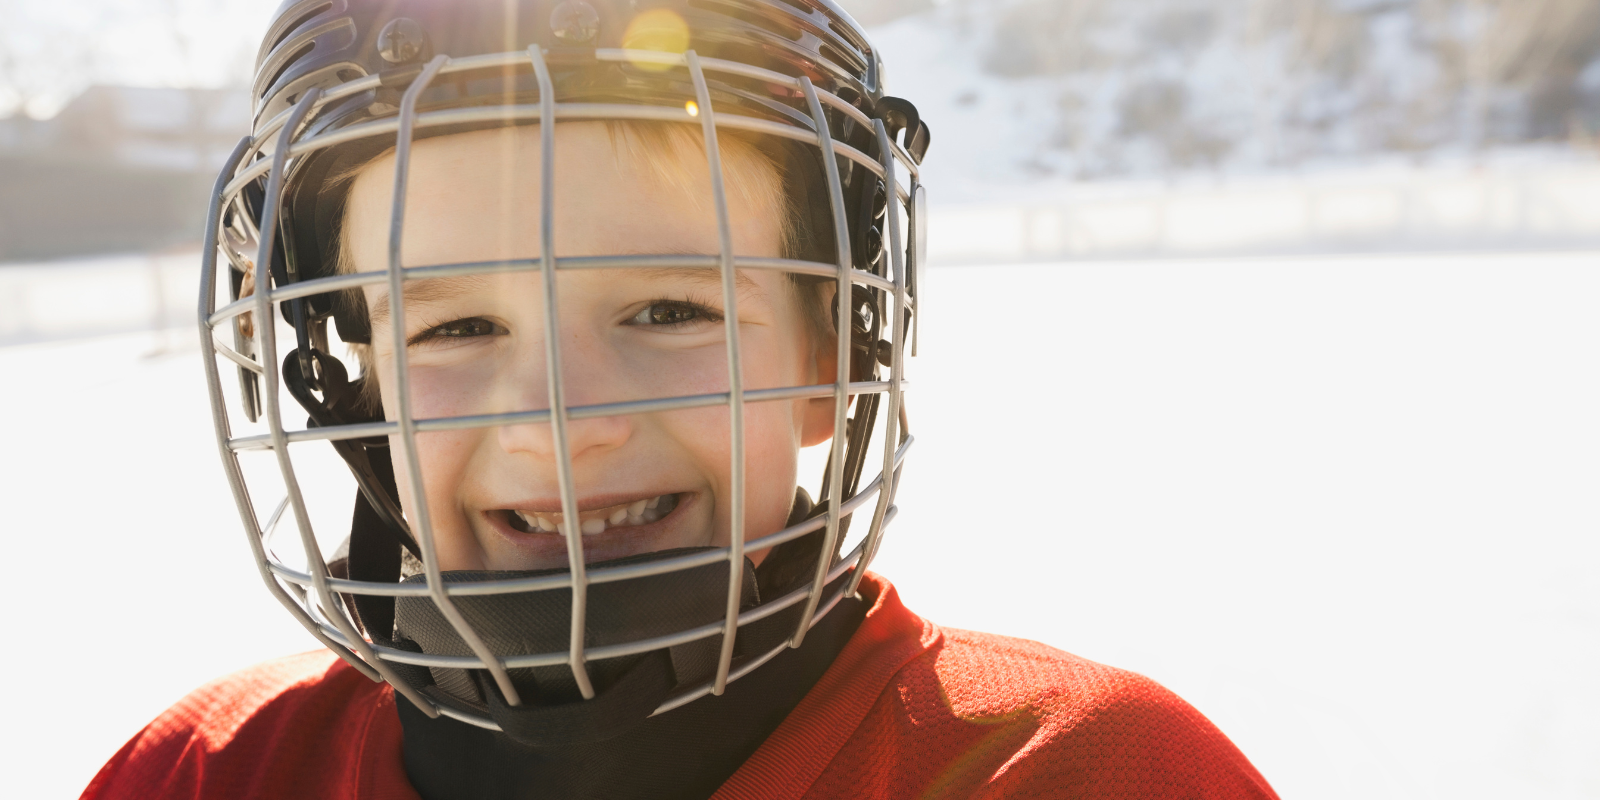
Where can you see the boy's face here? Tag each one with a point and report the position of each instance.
(645, 482)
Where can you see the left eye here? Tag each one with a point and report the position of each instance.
(673, 313)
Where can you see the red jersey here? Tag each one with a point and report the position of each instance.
(907, 710)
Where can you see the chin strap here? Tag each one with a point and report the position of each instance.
(367, 458)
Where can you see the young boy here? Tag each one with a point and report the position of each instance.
(606, 268)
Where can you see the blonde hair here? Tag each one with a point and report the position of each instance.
(676, 153)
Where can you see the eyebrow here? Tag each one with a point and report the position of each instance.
(711, 276)
(438, 290)
(424, 292)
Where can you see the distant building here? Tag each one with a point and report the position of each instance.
(183, 130)
(23, 134)
(120, 169)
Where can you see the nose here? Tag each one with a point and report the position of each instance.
(585, 437)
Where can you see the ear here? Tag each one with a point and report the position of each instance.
(818, 425)
(817, 418)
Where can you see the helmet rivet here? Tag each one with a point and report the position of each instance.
(575, 22)
(874, 245)
(402, 40)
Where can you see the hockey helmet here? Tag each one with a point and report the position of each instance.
(568, 650)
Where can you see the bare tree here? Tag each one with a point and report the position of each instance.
(1045, 37)
(1528, 50)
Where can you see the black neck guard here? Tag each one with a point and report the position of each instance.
(685, 753)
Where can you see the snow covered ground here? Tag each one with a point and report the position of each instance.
(53, 300)
(1344, 505)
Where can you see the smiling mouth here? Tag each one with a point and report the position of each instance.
(597, 521)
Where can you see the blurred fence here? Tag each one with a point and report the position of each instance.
(1549, 206)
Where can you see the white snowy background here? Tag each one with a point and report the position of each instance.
(1344, 505)
(1331, 477)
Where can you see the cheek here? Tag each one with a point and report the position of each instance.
(771, 450)
(444, 387)
(770, 428)
(445, 456)
(772, 359)
(446, 459)
(779, 355)
(771, 447)
(655, 373)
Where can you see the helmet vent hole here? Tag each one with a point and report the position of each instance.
(849, 61)
(851, 38)
(288, 30)
(289, 62)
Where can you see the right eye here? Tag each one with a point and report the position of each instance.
(457, 330)
(674, 315)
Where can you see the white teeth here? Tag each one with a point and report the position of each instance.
(638, 512)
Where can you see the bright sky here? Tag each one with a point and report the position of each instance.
(50, 51)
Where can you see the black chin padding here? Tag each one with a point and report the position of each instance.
(627, 688)
(616, 709)
(683, 754)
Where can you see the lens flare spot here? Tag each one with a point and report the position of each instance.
(660, 30)
(692, 107)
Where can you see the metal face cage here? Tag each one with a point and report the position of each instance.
(242, 232)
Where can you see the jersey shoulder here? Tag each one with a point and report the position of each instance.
(304, 725)
(981, 715)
